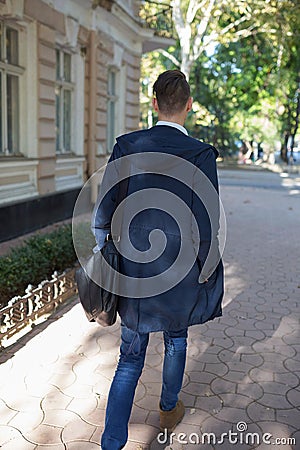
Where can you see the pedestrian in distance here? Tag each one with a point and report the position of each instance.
(159, 158)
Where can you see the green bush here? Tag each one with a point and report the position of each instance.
(35, 261)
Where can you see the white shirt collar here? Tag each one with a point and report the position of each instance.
(173, 124)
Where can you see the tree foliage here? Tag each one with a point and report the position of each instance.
(242, 60)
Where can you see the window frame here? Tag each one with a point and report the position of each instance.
(14, 70)
(63, 85)
(112, 102)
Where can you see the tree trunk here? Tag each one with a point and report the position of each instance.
(287, 134)
(293, 134)
(284, 147)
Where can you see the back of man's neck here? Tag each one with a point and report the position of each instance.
(173, 119)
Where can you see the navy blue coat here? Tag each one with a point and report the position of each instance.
(189, 302)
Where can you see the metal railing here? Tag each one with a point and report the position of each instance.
(22, 312)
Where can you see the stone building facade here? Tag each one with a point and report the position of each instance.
(69, 84)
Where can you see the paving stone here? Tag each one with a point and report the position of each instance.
(61, 367)
(136, 446)
(95, 417)
(277, 430)
(289, 417)
(258, 412)
(198, 389)
(83, 390)
(227, 355)
(269, 356)
(214, 349)
(153, 419)
(252, 390)
(151, 375)
(25, 421)
(82, 406)
(50, 447)
(55, 399)
(253, 360)
(191, 364)
(274, 401)
(259, 375)
(59, 417)
(193, 351)
(296, 439)
(23, 403)
(139, 415)
(219, 386)
(154, 360)
(238, 366)
(85, 368)
(44, 434)
(188, 399)
(155, 388)
(92, 349)
(107, 371)
(235, 400)
(243, 341)
(77, 429)
(223, 342)
(201, 377)
(219, 368)
(19, 444)
(149, 402)
(108, 342)
(292, 338)
(258, 335)
(101, 400)
(275, 388)
(211, 404)
(188, 432)
(140, 392)
(209, 358)
(6, 413)
(234, 332)
(8, 433)
(236, 377)
(292, 365)
(195, 416)
(81, 445)
(288, 378)
(293, 396)
(141, 433)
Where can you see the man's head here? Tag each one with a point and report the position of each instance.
(172, 94)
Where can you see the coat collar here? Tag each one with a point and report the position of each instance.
(174, 125)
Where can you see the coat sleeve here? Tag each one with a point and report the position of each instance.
(104, 209)
(206, 210)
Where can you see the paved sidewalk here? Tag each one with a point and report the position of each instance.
(242, 368)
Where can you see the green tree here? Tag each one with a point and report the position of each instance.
(242, 61)
(287, 26)
(201, 24)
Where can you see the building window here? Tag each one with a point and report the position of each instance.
(63, 94)
(10, 73)
(112, 99)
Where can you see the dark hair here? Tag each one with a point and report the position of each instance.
(172, 91)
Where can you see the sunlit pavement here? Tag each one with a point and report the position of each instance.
(242, 371)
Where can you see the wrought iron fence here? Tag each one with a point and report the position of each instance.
(22, 312)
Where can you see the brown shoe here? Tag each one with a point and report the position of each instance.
(169, 419)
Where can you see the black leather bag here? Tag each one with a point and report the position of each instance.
(101, 305)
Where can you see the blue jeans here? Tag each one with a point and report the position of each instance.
(129, 369)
